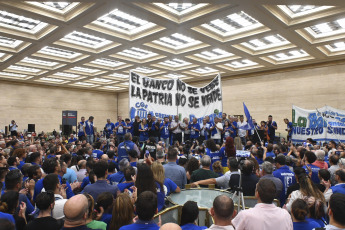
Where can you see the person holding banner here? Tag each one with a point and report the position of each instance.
(143, 129)
(164, 128)
(120, 129)
(194, 129)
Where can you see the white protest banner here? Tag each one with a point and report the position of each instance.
(163, 98)
(323, 124)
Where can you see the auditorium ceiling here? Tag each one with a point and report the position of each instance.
(93, 44)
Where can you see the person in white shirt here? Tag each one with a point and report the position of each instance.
(242, 133)
(222, 212)
(51, 183)
(13, 128)
(175, 128)
(217, 136)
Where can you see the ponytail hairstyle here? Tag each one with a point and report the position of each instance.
(299, 210)
(309, 189)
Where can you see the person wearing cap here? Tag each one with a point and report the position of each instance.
(88, 130)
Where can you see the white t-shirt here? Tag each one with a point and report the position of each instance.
(218, 135)
(241, 132)
(58, 208)
(13, 127)
(173, 124)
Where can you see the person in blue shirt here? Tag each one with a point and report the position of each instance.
(129, 172)
(311, 170)
(337, 188)
(143, 130)
(164, 129)
(272, 126)
(120, 127)
(126, 146)
(119, 177)
(286, 176)
(189, 215)
(109, 127)
(81, 131)
(129, 126)
(234, 127)
(101, 185)
(146, 208)
(97, 152)
(212, 151)
(269, 152)
(52, 165)
(299, 212)
(72, 139)
(12, 162)
(88, 130)
(194, 129)
(289, 127)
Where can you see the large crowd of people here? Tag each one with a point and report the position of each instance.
(120, 177)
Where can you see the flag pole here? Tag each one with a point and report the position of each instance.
(257, 134)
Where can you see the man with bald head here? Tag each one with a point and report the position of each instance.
(222, 212)
(170, 226)
(76, 213)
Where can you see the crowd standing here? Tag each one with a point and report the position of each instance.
(120, 177)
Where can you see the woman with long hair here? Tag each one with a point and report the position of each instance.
(308, 191)
(226, 151)
(123, 212)
(143, 130)
(90, 223)
(212, 151)
(146, 182)
(159, 175)
(227, 130)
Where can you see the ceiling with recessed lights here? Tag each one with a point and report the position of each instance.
(93, 44)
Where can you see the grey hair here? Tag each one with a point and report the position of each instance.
(206, 161)
(320, 155)
(267, 167)
(128, 137)
(123, 164)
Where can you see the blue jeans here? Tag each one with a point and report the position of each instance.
(166, 141)
(89, 138)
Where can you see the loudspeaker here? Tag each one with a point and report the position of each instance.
(66, 130)
(31, 128)
(256, 136)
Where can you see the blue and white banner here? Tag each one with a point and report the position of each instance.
(323, 124)
(164, 97)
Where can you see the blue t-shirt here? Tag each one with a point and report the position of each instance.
(81, 130)
(129, 127)
(120, 130)
(144, 135)
(287, 177)
(116, 178)
(215, 156)
(110, 127)
(271, 154)
(72, 140)
(194, 134)
(85, 182)
(305, 225)
(89, 128)
(8, 217)
(234, 134)
(224, 157)
(170, 185)
(315, 173)
(123, 186)
(160, 197)
(192, 227)
(97, 154)
(338, 188)
(141, 225)
(227, 131)
(39, 187)
(165, 130)
(289, 127)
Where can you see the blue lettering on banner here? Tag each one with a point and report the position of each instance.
(307, 131)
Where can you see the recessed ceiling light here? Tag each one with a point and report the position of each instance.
(292, 54)
(137, 53)
(50, 79)
(9, 42)
(100, 80)
(180, 8)
(119, 75)
(57, 5)
(122, 22)
(86, 40)
(39, 62)
(66, 75)
(19, 22)
(145, 70)
(52, 51)
(107, 62)
(301, 10)
(17, 75)
(24, 69)
(266, 42)
(85, 70)
(177, 41)
(327, 28)
(204, 70)
(174, 76)
(175, 63)
(233, 24)
(241, 63)
(214, 54)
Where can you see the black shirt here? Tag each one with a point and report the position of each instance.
(149, 124)
(248, 183)
(43, 223)
(136, 128)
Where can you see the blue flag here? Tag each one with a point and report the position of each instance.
(249, 125)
